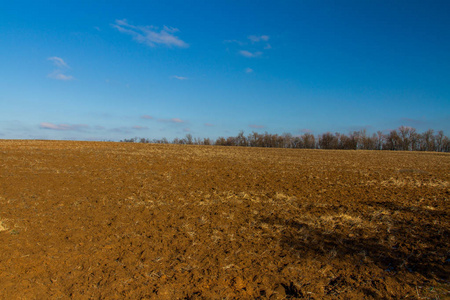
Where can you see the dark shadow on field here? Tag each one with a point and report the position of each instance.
(420, 245)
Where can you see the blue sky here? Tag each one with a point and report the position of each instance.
(108, 70)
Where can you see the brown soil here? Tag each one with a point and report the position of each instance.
(116, 220)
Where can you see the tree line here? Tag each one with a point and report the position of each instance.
(404, 138)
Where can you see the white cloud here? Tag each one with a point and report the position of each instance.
(248, 70)
(151, 35)
(176, 120)
(170, 29)
(209, 125)
(147, 117)
(63, 127)
(61, 66)
(58, 61)
(180, 77)
(250, 54)
(234, 41)
(256, 42)
(258, 38)
(173, 120)
(60, 76)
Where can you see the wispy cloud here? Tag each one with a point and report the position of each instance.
(256, 43)
(209, 125)
(58, 61)
(172, 120)
(151, 35)
(186, 129)
(127, 130)
(248, 70)
(147, 117)
(256, 126)
(61, 66)
(176, 120)
(179, 77)
(258, 38)
(234, 41)
(252, 38)
(250, 54)
(63, 127)
(58, 75)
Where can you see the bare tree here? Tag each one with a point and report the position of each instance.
(189, 139)
(328, 141)
(349, 142)
(309, 141)
(221, 141)
(392, 141)
(287, 140)
(380, 140)
(439, 138)
(428, 140)
(414, 138)
(405, 137)
(207, 141)
(254, 140)
(446, 144)
(241, 140)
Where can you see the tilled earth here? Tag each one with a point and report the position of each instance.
(90, 220)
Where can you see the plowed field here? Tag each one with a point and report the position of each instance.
(90, 220)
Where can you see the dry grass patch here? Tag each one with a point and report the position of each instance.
(329, 223)
(412, 182)
(342, 219)
(3, 227)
